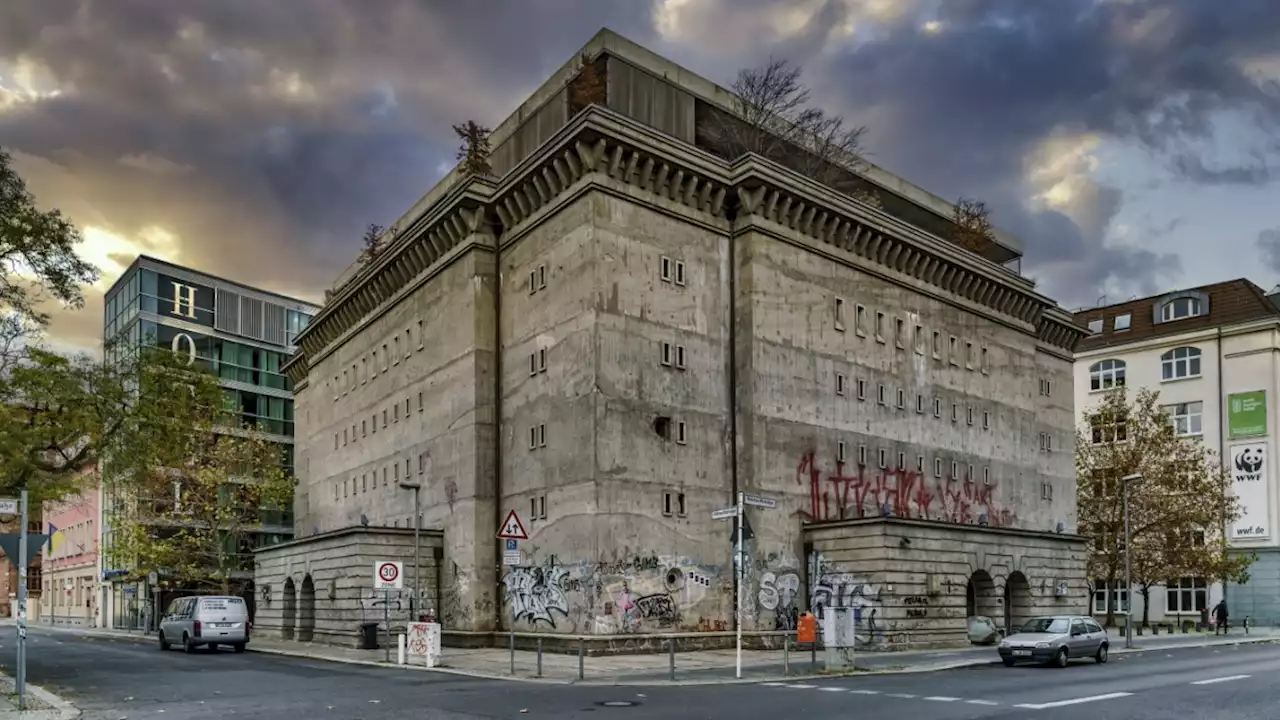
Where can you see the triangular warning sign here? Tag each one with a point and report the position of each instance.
(512, 528)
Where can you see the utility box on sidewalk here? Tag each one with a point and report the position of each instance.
(423, 644)
(839, 635)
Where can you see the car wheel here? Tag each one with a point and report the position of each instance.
(164, 644)
(1101, 657)
(1008, 662)
(1060, 659)
(187, 645)
(238, 647)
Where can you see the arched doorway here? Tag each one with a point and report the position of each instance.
(307, 611)
(1017, 601)
(981, 597)
(290, 609)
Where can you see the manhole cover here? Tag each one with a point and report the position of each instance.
(618, 703)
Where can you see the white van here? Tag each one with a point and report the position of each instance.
(205, 621)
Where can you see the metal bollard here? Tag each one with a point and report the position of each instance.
(582, 645)
(513, 652)
(539, 656)
(786, 654)
(672, 645)
(813, 656)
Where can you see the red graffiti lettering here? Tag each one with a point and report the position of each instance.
(898, 492)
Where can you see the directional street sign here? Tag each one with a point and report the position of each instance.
(759, 501)
(724, 513)
(388, 575)
(512, 528)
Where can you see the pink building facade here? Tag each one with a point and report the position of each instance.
(70, 582)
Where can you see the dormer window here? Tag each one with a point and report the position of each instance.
(1179, 308)
(1123, 322)
(1095, 326)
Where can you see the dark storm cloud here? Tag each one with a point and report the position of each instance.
(963, 109)
(1269, 247)
(267, 134)
(300, 122)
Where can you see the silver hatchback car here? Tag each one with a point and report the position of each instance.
(205, 622)
(1056, 639)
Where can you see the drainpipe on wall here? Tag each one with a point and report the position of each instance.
(1222, 437)
(733, 406)
(497, 430)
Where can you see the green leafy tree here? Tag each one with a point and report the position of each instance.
(191, 484)
(1177, 511)
(38, 263)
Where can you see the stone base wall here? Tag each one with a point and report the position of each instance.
(320, 588)
(912, 584)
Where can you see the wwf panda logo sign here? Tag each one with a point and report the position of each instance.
(1249, 460)
(1250, 486)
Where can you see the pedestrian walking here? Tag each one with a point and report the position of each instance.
(1220, 617)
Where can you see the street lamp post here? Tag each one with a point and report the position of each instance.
(417, 545)
(1128, 576)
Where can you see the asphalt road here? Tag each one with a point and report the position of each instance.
(111, 679)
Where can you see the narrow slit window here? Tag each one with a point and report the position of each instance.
(839, 313)
(680, 279)
(666, 273)
(681, 437)
(680, 364)
(667, 352)
(840, 383)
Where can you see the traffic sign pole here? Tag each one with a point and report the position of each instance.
(741, 544)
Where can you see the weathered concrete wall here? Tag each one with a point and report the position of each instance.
(412, 401)
(609, 556)
(909, 581)
(339, 568)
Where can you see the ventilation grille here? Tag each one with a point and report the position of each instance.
(227, 312)
(251, 317)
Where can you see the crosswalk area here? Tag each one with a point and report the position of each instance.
(987, 702)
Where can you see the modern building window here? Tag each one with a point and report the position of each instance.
(1106, 374)
(839, 313)
(1179, 308)
(1180, 363)
(1114, 596)
(1186, 418)
(1108, 428)
(1186, 595)
(1122, 322)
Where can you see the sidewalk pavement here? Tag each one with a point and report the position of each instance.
(691, 668)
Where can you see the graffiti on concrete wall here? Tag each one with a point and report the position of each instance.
(834, 588)
(641, 594)
(778, 595)
(859, 492)
(537, 594)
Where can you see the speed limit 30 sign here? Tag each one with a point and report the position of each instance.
(388, 575)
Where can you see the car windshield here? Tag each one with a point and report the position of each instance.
(1046, 625)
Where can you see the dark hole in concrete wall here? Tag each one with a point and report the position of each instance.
(662, 426)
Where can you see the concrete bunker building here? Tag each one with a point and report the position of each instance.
(621, 328)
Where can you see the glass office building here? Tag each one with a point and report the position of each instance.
(242, 334)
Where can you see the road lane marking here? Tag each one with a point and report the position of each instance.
(831, 689)
(1073, 701)
(990, 703)
(1212, 681)
(865, 692)
(940, 698)
(903, 696)
(774, 684)
(802, 687)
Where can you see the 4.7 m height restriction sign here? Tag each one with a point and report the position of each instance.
(388, 575)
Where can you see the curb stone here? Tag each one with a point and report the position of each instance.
(57, 708)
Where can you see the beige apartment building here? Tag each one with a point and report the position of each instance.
(620, 329)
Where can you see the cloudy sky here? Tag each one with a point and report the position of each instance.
(1132, 144)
